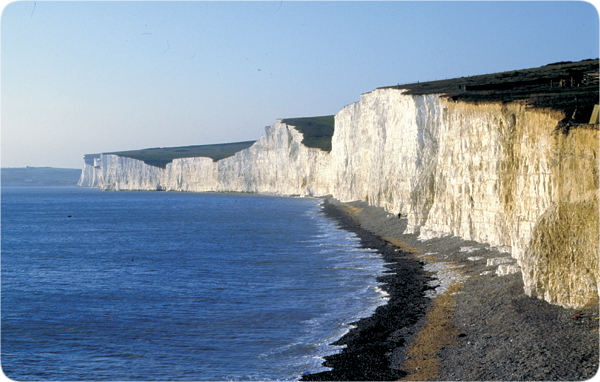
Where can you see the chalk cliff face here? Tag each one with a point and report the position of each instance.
(277, 163)
(384, 150)
(560, 261)
(491, 172)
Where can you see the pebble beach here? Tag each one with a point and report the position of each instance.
(457, 312)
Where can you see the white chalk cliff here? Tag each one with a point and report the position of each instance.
(490, 172)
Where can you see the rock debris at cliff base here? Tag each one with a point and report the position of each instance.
(484, 326)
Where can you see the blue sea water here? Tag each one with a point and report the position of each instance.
(175, 286)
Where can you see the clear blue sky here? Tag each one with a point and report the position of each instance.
(90, 77)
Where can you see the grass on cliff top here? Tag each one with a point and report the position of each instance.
(571, 87)
(317, 131)
(161, 156)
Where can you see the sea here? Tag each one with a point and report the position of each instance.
(108, 286)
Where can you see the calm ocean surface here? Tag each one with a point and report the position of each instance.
(175, 286)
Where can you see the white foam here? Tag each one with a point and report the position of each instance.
(350, 265)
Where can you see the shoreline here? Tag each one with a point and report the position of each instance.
(457, 311)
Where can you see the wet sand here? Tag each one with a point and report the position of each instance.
(455, 313)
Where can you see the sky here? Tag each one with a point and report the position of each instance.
(82, 77)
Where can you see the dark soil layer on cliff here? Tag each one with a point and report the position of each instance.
(478, 325)
(571, 87)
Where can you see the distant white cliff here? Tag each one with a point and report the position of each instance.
(491, 172)
(278, 163)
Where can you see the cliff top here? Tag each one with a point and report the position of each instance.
(571, 87)
(161, 156)
(317, 131)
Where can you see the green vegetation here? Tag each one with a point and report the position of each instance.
(39, 176)
(571, 87)
(317, 131)
(161, 156)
